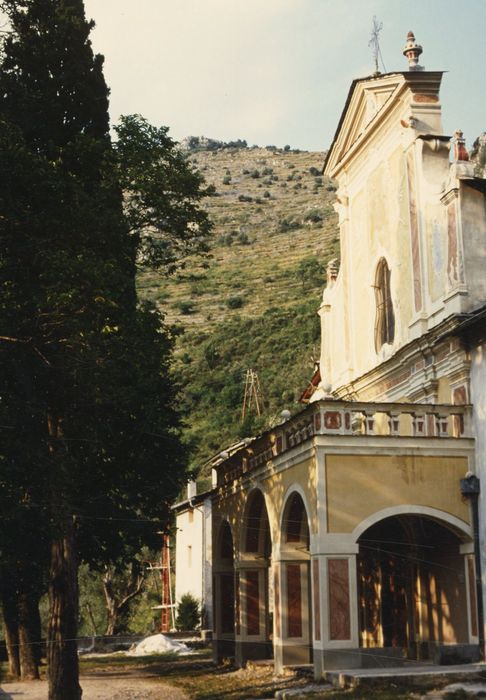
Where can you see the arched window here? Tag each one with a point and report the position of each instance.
(385, 318)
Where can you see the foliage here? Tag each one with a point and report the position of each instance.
(87, 409)
(213, 377)
(188, 613)
(310, 272)
(162, 195)
(186, 306)
(235, 302)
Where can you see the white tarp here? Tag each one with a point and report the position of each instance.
(158, 644)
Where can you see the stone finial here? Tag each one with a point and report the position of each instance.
(460, 150)
(412, 51)
(332, 272)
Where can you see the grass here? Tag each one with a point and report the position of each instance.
(257, 263)
(202, 680)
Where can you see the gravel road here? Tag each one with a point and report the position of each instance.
(97, 689)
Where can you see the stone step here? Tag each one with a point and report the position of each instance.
(409, 675)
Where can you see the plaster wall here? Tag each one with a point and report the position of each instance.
(380, 482)
(276, 484)
(478, 398)
(193, 556)
(399, 198)
(473, 218)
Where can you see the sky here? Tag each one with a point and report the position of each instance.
(278, 71)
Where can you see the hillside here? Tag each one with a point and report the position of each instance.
(253, 303)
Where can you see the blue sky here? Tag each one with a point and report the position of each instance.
(278, 71)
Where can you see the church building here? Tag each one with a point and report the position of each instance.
(350, 534)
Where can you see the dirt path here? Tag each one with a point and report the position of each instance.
(100, 688)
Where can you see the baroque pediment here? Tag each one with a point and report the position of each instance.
(367, 101)
(371, 100)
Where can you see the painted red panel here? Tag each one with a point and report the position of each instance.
(339, 614)
(252, 603)
(294, 600)
(317, 599)
(453, 268)
(237, 603)
(472, 596)
(332, 420)
(227, 603)
(414, 234)
(276, 600)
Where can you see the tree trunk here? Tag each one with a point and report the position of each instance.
(62, 650)
(28, 642)
(117, 604)
(10, 619)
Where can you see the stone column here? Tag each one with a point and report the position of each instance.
(335, 612)
(252, 625)
(467, 550)
(225, 607)
(292, 617)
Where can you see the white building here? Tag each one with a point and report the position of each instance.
(193, 551)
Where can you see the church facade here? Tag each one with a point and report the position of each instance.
(349, 535)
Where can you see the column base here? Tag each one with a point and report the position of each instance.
(292, 655)
(253, 651)
(223, 649)
(336, 659)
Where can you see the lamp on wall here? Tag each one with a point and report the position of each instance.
(470, 489)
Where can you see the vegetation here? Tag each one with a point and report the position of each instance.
(254, 302)
(87, 401)
(188, 613)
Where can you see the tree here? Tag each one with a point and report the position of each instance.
(188, 613)
(87, 400)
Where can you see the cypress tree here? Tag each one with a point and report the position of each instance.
(92, 455)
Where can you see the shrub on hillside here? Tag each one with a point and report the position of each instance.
(243, 239)
(285, 225)
(314, 216)
(234, 302)
(185, 307)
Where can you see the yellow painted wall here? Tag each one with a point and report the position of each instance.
(274, 486)
(360, 485)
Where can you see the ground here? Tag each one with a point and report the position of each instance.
(116, 677)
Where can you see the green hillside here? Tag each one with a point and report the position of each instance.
(253, 303)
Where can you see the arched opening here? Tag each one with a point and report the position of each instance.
(295, 523)
(224, 587)
(256, 527)
(385, 317)
(413, 587)
(256, 608)
(296, 626)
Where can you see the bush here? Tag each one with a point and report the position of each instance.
(185, 307)
(243, 239)
(255, 174)
(227, 180)
(234, 302)
(188, 613)
(314, 171)
(313, 216)
(245, 198)
(288, 225)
